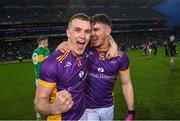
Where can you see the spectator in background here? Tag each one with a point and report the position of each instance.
(166, 48)
(172, 50)
(149, 46)
(38, 56)
(154, 46)
(145, 49)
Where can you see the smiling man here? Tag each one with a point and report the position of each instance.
(60, 91)
(102, 74)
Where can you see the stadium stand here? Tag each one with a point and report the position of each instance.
(77, 9)
(28, 19)
(41, 10)
(57, 12)
(94, 9)
(35, 11)
(12, 50)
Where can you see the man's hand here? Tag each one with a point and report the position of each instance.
(112, 53)
(63, 47)
(63, 102)
(113, 50)
(130, 116)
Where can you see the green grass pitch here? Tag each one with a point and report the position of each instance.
(157, 89)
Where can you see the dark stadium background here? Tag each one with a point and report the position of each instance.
(134, 23)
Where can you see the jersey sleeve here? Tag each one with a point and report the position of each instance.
(124, 63)
(48, 73)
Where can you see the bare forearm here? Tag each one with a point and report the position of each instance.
(113, 50)
(113, 43)
(129, 95)
(44, 107)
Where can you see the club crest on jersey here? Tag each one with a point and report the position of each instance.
(81, 74)
(68, 64)
(101, 56)
(100, 69)
(120, 53)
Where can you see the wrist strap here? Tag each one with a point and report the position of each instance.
(131, 112)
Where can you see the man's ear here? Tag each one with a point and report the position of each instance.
(67, 32)
(43, 42)
(108, 31)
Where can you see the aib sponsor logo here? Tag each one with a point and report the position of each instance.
(100, 69)
(81, 74)
(68, 64)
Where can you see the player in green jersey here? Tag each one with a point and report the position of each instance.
(38, 56)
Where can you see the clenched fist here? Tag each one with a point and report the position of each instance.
(63, 102)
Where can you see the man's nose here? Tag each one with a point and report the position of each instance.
(82, 34)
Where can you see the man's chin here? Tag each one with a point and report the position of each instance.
(79, 52)
(94, 45)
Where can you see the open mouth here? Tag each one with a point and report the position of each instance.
(80, 44)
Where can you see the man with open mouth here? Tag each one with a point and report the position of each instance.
(60, 91)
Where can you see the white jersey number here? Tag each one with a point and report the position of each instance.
(35, 58)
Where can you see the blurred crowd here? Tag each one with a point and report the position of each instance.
(22, 50)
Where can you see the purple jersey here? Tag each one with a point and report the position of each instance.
(101, 77)
(66, 71)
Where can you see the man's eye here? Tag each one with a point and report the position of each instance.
(87, 32)
(77, 30)
(95, 29)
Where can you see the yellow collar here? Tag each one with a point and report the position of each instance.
(102, 49)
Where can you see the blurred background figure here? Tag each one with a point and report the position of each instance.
(172, 50)
(154, 46)
(166, 48)
(38, 56)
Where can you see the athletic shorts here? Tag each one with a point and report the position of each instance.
(98, 114)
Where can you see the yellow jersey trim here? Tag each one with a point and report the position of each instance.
(57, 117)
(102, 49)
(62, 57)
(124, 72)
(74, 54)
(47, 84)
(41, 58)
(53, 95)
(79, 61)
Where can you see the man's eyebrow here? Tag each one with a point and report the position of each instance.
(88, 30)
(95, 28)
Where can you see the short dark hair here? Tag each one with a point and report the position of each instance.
(101, 18)
(80, 16)
(41, 38)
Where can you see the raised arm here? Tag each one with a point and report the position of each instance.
(63, 47)
(113, 50)
(63, 101)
